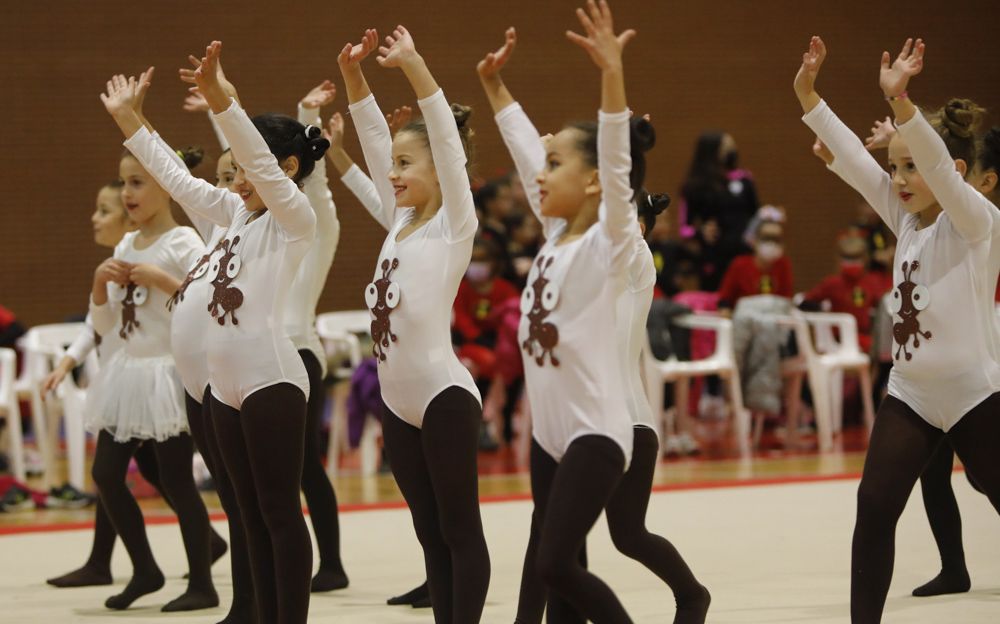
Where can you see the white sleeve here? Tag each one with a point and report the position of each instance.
(203, 225)
(376, 143)
(185, 250)
(972, 215)
(317, 190)
(215, 204)
(102, 316)
(362, 187)
(617, 213)
(526, 149)
(855, 165)
(450, 162)
(284, 200)
(84, 342)
(223, 143)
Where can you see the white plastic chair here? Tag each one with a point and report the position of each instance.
(41, 346)
(826, 369)
(722, 362)
(74, 400)
(10, 410)
(338, 331)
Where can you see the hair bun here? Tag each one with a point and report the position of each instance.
(961, 117)
(318, 146)
(192, 156)
(642, 134)
(462, 114)
(658, 202)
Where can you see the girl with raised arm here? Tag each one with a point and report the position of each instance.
(626, 510)
(946, 373)
(579, 185)
(138, 396)
(258, 382)
(433, 409)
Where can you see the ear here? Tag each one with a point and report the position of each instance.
(989, 183)
(593, 184)
(290, 166)
(961, 167)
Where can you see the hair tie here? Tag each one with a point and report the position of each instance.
(180, 154)
(307, 132)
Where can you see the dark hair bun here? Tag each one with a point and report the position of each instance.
(462, 114)
(658, 202)
(192, 156)
(642, 134)
(961, 117)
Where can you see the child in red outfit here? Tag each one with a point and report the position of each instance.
(854, 289)
(766, 272)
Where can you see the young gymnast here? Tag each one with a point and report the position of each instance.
(258, 383)
(138, 395)
(946, 372)
(362, 187)
(300, 326)
(433, 409)
(579, 184)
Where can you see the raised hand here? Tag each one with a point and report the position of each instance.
(320, 95)
(805, 80)
(882, 133)
(195, 103)
(352, 54)
(601, 43)
(399, 49)
(142, 87)
(399, 118)
(208, 78)
(821, 151)
(334, 132)
(894, 78)
(119, 99)
(491, 65)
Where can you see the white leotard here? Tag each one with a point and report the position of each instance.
(247, 348)
(633, 310)
(303, 297)
(138, 394)
(569, 305)
(953, 360)
(416, 280)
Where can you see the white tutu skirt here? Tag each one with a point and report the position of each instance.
(137, 398)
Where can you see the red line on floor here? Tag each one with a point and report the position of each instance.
(359, 507)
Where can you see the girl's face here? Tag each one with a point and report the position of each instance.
(245, 189)
(413, 176)
(567, 180)
(142, 196)
(109, 219)
(225, 172)
(985, 182)
(907, 182)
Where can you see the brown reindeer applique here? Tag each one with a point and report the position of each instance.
(537, 302)
(197, 272)
(382, 297)
(226, 298)
(134, 295)
(908, 299)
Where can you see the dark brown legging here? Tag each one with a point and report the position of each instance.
(569, 497)
(901, 446)
(626, 512)
(242, 610)
(262, 445)
(436, 470)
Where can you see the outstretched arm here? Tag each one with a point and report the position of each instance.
(317, 187)
(442, 134)
(489, 73)
(805, 80)
(605, 48)
(290, 208)
(972, 215)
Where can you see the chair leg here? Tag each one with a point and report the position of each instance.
(76, 437)
(819, 383)
(865, 374)
(16, 440)
(741, 415)
(338, 426)
(39, 422)
(837, 400)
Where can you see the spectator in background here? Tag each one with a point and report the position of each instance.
(525, 241)
(495, 206)
(667, 252)
(719, 199)
(767, 271)
(881, 244)
(478, 311)
(854, 289)
(10, 328)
